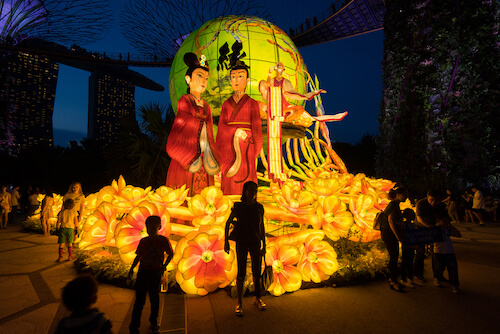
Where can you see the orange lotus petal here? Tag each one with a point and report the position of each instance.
(188, 286)
(209, 277)
(289, 254)
(288, 280)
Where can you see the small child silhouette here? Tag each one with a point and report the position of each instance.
(78, 296)
(150, 254)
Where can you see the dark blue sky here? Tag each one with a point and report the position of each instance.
(349, 69)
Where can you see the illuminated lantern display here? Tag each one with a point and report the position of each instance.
(263, 45)
(311, 201)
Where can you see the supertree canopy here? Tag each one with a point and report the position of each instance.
(158, 27)
(61, 21)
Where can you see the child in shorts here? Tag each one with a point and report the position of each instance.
(78, 296)
(67, 223)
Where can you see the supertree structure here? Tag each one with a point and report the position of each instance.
(62, 21)
(158, 27)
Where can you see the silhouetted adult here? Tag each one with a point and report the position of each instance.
(391, 233)
(247, 218)
(430, 210)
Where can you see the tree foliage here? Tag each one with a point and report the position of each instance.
(140, 155)
(439, 121)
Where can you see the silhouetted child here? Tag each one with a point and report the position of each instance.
(150, 254)
(78, 296)
(408, 252)
(444, 256)
(67, 223)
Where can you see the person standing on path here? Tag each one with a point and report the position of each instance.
(47, 211)
(391, 233)
(478, 205)
(5, 206)
(430, 210)
(15, 203)
(247, 217)
(150, 254)
(67, 223)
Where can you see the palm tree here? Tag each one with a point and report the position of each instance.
(140, 155)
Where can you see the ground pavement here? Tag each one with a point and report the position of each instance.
(31, 282)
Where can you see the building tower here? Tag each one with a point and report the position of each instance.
(32, 90)
(110, 100)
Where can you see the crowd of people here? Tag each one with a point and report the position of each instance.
(399, 230)
(435, 211)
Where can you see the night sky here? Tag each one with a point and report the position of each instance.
(349, 70)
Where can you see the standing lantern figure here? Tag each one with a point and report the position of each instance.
(273, 91)
(191, 145)
(240, 134)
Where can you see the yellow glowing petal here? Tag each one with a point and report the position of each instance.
(333, 204)
(198, 205)
(289, 254)
(212, 194)
(202, 240)
(205, 220)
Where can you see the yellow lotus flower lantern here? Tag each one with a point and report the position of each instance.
(210, 207)
(318, 260)
(130, 197)
(363, 210)
(202, 264)
(286, 276)
(292, 204)
(331, 216)
(99, 228)
(168, 197)
(323, 186)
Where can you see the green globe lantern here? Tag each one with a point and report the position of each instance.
(263, 45)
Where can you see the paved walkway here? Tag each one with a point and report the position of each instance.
(31, 282)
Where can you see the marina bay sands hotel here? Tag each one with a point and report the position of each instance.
(32, 71)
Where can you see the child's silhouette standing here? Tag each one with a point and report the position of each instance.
(150, 254)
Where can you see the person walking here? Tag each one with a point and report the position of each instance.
(391, 233)
(247, 217)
